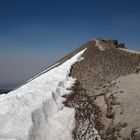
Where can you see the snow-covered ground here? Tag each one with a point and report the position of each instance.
(35, 110)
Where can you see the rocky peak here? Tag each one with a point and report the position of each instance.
(110, 43)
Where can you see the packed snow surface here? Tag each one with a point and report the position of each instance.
(35, 110)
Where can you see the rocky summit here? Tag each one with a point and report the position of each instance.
(91, 94)
(107, 92)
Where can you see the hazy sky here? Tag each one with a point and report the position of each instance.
(36, 33)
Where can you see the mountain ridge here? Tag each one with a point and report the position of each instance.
(87, 95)
(97, 74)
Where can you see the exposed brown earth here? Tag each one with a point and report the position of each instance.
(100, 67)
(100, 96)
(87, 114)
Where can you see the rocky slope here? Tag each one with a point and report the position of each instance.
(108, 92)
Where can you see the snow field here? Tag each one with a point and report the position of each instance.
(35, 110)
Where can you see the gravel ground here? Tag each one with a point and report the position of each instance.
(102, 110)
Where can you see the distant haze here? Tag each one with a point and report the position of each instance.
(18, 69)
(36, 33)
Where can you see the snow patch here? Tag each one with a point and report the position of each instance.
(81, 58)
(35, 110)
(43, 72)
(131, 51)
(100, 46)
